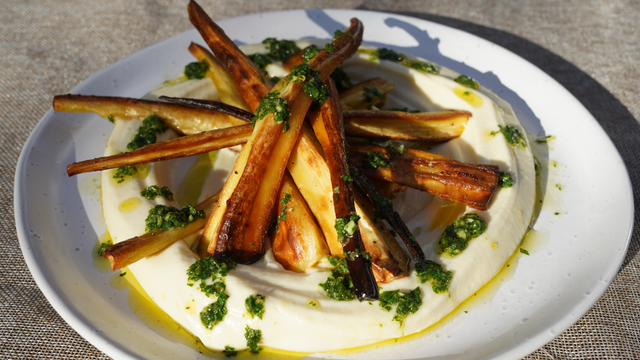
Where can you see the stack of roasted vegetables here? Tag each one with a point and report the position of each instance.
(299, 149)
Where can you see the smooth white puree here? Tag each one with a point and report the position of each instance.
(288, 322)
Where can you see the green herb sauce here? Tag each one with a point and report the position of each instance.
(309, 53)
(467, 81)
(394, 56)
(124, 171)
(513, 136)
(273, 104)
(280, 50)
(430, 271)
(346, 178)
(395, 150)
(329, 47)
(338, 285)
(505, 180)
(374, 160)
(229, 351)
(196, 70)
(346, 227)
(343, 82)
(255, 305)
(147, 133)
(456, 236)
(260, 60)
(253, 336)
(213, 272)
(163, 217)
(524, 251)
(405, 303)
(283, 211)
(312, 84)
(155, 191)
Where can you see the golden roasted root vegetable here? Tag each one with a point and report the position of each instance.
(388, 259)
(436, 126)
(253, 86)
(384, 210)
(227, 88)
(469, 184)
(171, 149)
(183, 119)
(129, 251)
(298, 242)
(366, 94)
(226, 227)
(327, 124)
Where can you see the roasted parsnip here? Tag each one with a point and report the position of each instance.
(469, 184)
(129, 251)
(328, 127)
(366, 94)
(297, 241)
(438, 126)
(183, 119)
(171, 149)
(227, 88)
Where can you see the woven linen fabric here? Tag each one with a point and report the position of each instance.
(47, 47)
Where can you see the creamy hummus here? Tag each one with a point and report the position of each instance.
(290, 322)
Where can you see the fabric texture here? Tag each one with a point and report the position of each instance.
(47, 47)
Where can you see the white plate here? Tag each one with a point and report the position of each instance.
(551, 289)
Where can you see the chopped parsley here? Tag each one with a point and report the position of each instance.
(275, 79)
(260, 60)
(513, 136)
(456, 236)
(346, 227)
(255, 305)
(280, 50)
(124, 171)
(196, 70)
(371, 93)
(215, 312)
(395, 150)
(273, 104)
(374, 160)
(210, 272)
(467, 81)
(431, 271)
(352, 255)
(147, 133)
(343, 82)
(103, 247)
(309, 53)
(338, 285)
(329, 47)
(346, 178)
(337, 34)
(394, 56)
(253, 336)
(229, 351)
(524, 251)
(110, 118)
(313, 86)
(505, 180)
(405, 303)
(163, 217)
(283, 211)
(545, 139)
(383, 205)
(155, 191)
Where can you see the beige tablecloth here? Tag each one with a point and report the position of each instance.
(47, 47)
